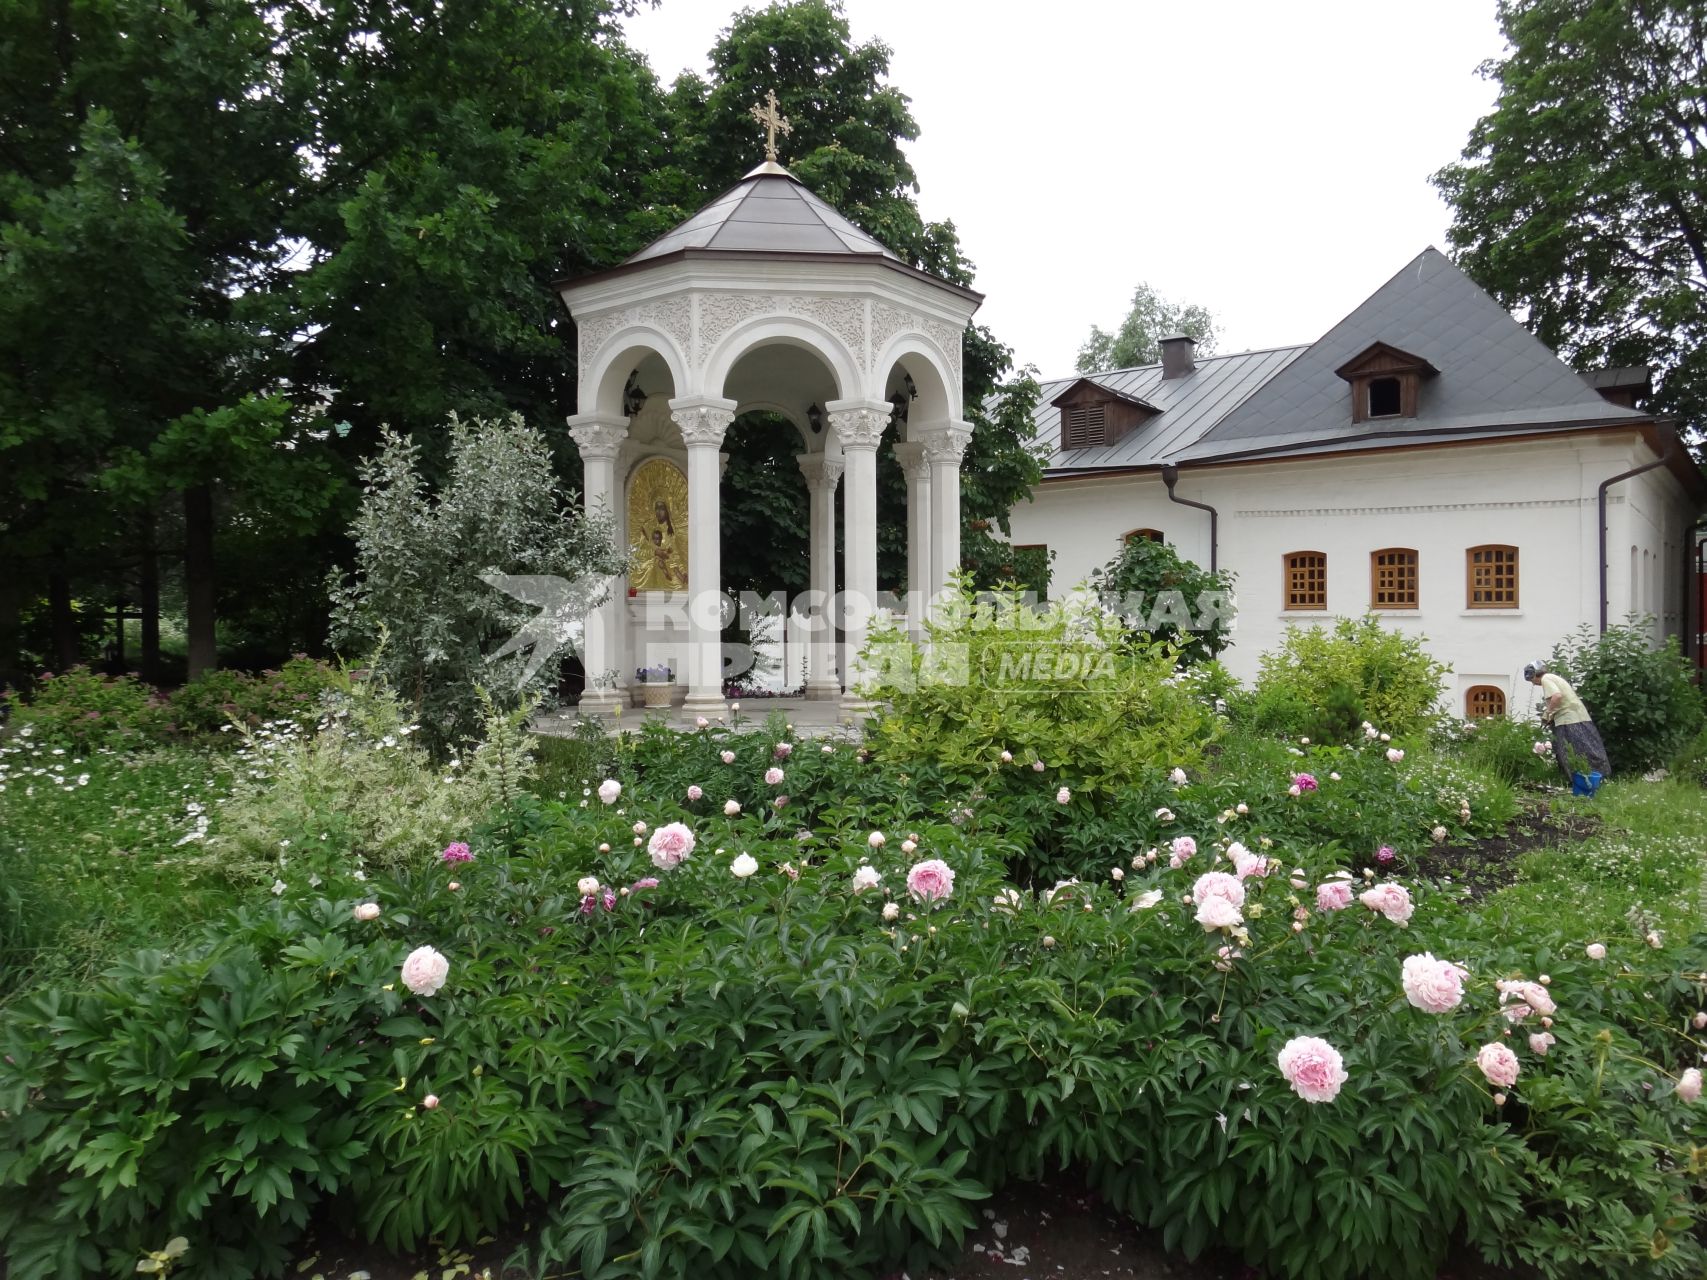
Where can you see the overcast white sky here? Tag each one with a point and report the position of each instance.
(1267, 160)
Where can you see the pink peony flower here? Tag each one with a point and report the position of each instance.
(1394, 755)
(670, 845)
(1247, 864)
(1335, 895)
(731, 808)
(1216, 912)
(368, 911)
(931, 880)
(454, 885)
(1531, 994)
(700, 722)
(773, 777)
(1313, 1068)
(609, 790)
(891, 910)
(1689, 1084)
(743, 866)
(425, 971)
(1699, 1021)
(1391, 900)
(1218, 884)
(645, 882)
(1498, 1064)
(430, 1102)
(1596, 951)
(1007, 757)
(1037, 766)
(456, 851)
(1177, 777)
(866, 877)
(640, 828)
(608, 901)
(908, 845)
(1434, 986)
(783, 750)
(589, 904)
(695, 793)
(1304, 781)
(728, 757)
(1295, 790)
(586, 885)
(1385, 854)
(1540, 1042)
(1063, 795)
(1183, 847)
(877, 839)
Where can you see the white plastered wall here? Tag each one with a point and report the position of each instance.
(1539, 496)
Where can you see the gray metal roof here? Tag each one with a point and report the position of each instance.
(1494, 374)
(768, 211)
(1188, 407)
(1630, 375)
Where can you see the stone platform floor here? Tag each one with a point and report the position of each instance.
(809, 717)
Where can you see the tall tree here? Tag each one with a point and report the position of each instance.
(1581, 199)
(1150, 318)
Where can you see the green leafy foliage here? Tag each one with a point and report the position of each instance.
(1149, 319)
(1322, 683)
(1577, 202)
(1642, 697)
(1166, 597)
(419, 598)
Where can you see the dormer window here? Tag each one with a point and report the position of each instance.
(1093, 415)
(1385, 382)
(1386, 398)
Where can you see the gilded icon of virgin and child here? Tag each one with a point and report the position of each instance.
(657, 527)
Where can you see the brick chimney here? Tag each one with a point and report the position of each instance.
(1177, 353)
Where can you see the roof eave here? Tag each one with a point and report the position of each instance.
(769, 255)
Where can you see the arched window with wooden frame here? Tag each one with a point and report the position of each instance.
(1490, 577)
(1393, 578)
(1482, 701)
(1306, 580)
(1148, 535)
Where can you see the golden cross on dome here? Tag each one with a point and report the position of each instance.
(772, 119)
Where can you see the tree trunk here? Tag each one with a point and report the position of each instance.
(149, 604)
(198, 579)
(64, 624)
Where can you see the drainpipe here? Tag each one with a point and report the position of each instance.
(1170, 477)
(1604, 486)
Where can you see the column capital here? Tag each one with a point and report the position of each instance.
(822, 470)
(859, 424)
(947, 443)
(914, 461)
(702, 419)
(598, 435)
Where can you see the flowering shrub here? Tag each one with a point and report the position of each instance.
(1644, 700)
(857, 1040)
(293, 694)
(82, 710)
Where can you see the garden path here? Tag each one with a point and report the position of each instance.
(810, 718)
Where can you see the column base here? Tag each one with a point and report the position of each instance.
(703, 702)
(602, 702)
(823, 690)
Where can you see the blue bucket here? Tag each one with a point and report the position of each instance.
(1585, 786)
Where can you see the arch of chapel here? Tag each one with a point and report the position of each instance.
(766, 299)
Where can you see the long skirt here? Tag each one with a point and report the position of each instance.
(1580, 743)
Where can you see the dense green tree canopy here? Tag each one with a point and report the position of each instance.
(1150, 318)
(1581, 199)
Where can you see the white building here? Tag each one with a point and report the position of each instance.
(1427, 460)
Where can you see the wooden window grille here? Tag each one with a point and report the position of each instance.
(1491, 572)
(1146, 535)
(1393, 578)
(1482, 701)
(1306, 580)
(1084, 426)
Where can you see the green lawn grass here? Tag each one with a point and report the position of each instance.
(1642, 870)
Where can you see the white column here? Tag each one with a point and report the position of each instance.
(858, 425)
(599, 439)
(822, 471)
(703, 420)
(945, 446)
(917, 466)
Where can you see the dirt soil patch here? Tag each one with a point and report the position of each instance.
(1486, 865)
